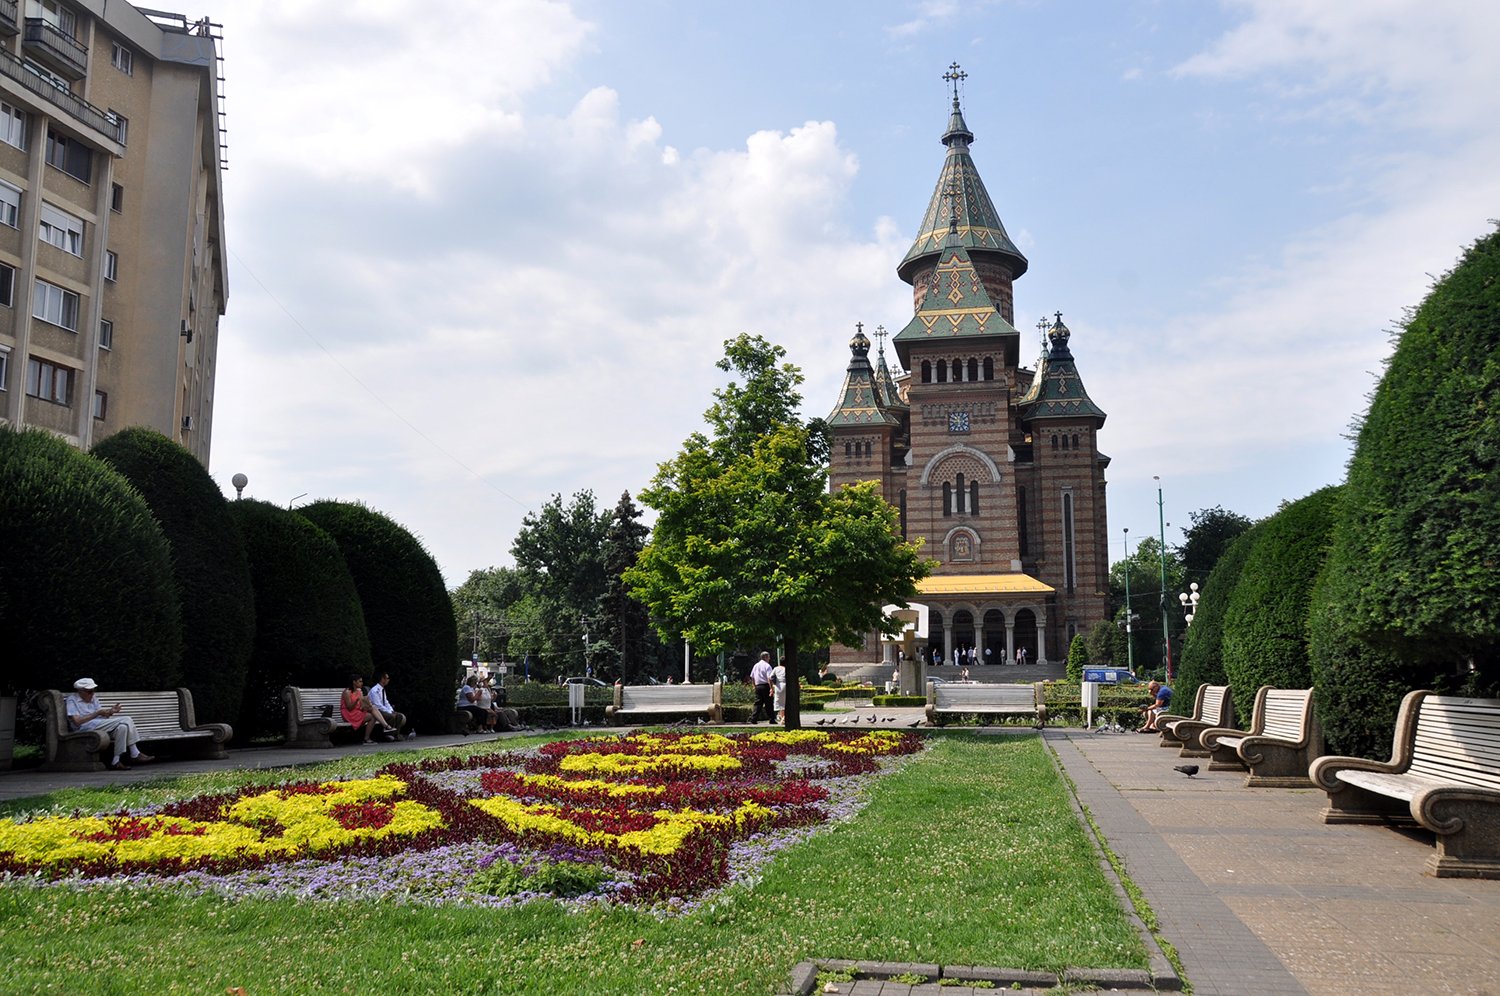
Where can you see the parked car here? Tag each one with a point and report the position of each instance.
(580, 680)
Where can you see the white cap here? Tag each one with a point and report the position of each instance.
(85, 685)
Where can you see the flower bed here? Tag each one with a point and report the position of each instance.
(644, 818)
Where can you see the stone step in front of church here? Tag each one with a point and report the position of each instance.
(879, 673)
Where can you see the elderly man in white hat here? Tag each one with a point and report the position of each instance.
(84, 713)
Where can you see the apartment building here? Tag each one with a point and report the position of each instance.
(112, 270)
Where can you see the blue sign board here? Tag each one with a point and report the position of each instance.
(1107, 675)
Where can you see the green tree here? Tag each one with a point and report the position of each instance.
(1423, 512)
(560, 553)
(86, 582)
(482, 611)
(1105, 643)
(750, 545)
(1146, 598)
(209, 567)
(309, 627)
(1078, 657)
(405, 603)
(623, 619)
(1205, 541)
(1203, 647)
(1265, 623)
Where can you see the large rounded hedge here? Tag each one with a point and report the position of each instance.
(1203, 647)
(1423, 509)
(309, 628)
(208, 565)
(408, 613)
(1265, 623)
(87, 584)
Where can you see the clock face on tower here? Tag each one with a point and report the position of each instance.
(958, 421)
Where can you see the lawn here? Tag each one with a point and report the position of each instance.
(965, 853)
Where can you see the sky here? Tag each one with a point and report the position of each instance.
(480, 259)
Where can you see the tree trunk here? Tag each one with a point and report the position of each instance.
(793, 683)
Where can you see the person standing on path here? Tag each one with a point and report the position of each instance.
(778, 691)
(84, 713)
(760, 677)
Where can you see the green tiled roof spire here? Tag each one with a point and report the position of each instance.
(960, 193)
(956, 307)
(861, 403)
(1057, 391)
(890, 397)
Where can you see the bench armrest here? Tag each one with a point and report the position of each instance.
(1209, 738)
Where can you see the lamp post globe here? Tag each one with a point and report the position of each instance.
(240, 481)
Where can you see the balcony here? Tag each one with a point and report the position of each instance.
(10, 24)
(75, 107)
(57, 51)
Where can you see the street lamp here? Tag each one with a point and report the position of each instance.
(1161, 519)
(1129, 609)
(1189, 600)
(240, 482)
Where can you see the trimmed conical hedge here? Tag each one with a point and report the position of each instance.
(309, 627)
(408, 613)
(88, 586)
(208, 565)
(1265, 624)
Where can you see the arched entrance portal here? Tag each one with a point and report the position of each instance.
(994, 638)
(963, 634)
(1026, 634)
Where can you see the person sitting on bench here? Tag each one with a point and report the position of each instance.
(85, 713)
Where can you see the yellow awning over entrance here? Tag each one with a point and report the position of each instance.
(983, 584)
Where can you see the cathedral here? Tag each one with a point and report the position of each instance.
(994, 466)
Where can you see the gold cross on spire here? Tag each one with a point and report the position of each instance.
(954, 75)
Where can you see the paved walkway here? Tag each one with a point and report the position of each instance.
(1257, 896)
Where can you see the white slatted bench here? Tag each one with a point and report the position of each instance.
(1444, 775)
(1212, 706)
(159, 717)
(306, 724)
(1283, 739)
(666, 700)
(985, 699)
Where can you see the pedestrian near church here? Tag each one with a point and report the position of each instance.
(760, 677)
(778, 691)
(85, 712)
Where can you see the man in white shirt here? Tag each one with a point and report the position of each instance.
(87, 713)
(760, 677)
(378, 699)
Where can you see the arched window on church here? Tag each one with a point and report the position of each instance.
(927, 371)
(973, 368)
(1022, 533)
(989, 368)
(947, 499)
(960, 494)
(902, 507)
(1065, 440)
(848, 446)
(1054, 441)
(973, 497)
(1075, 440)
(869, 449)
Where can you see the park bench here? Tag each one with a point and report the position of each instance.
(986, 699)
(159, 717)
(1444, 775)
(1212, 706)
(313, 716)
(662, 700)
(1283, 739)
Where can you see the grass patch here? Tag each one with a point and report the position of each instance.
(969, 854)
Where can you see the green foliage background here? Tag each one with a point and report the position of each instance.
(87, 585)
(1203, 649)
(309, 627)
(209, 568)
(407, 613)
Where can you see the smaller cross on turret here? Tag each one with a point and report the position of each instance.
(1042, 325)
(880, 334)
(859, 328)
(954, 75)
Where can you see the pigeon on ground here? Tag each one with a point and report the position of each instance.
(870, 719)
(889, 719)
(916, 724)
(1187, 769)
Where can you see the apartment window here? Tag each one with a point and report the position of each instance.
(54, 13)
(106, 334)
(4, 367)
(69, 155)
(55, 305)
(49, 382)
(122, 59)
(13, 123)
(111, 265)
(62, 230)
(116, 197)
(7, 285)
(10, 204)
(101, 404)
(47, 76)
(121, 123)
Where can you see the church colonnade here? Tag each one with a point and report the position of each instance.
(999, 629)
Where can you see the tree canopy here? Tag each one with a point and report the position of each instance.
(1205, 541)
(749, 543)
